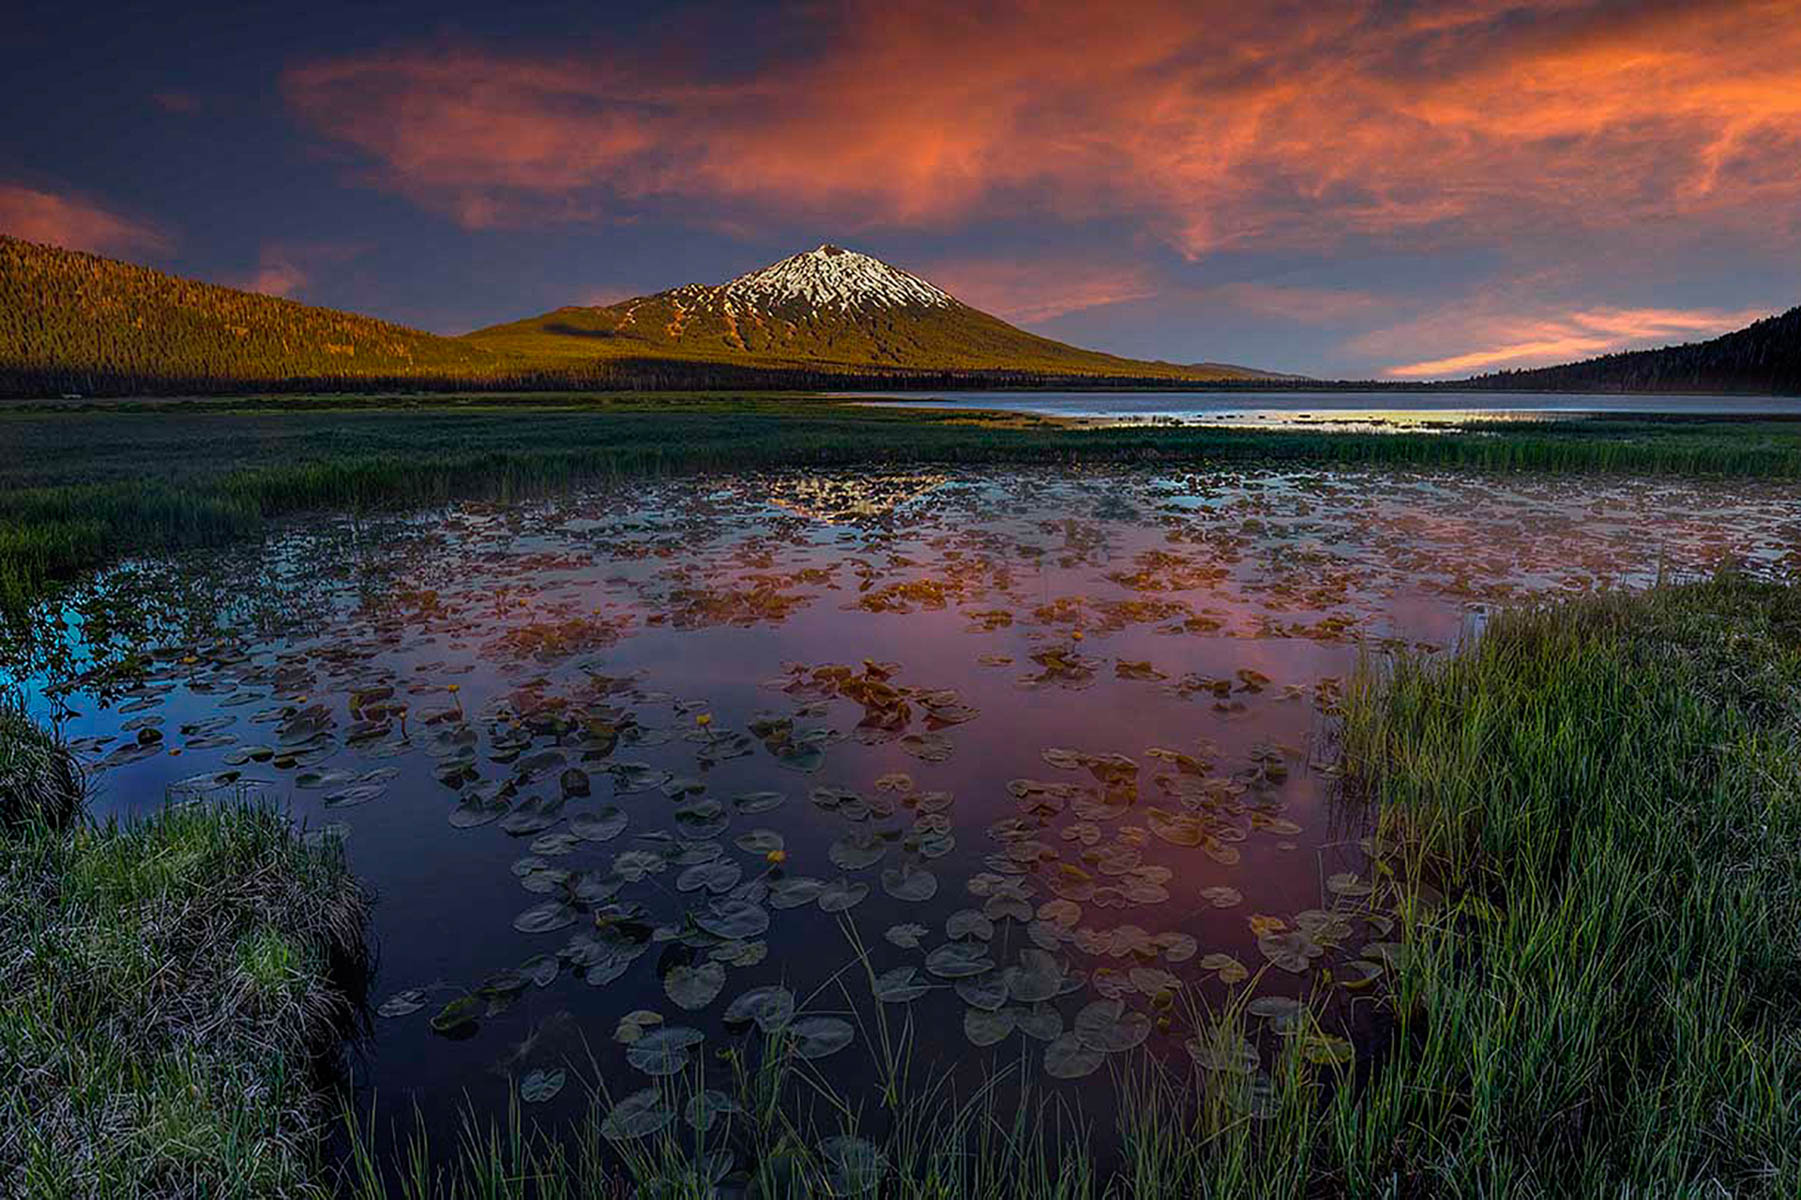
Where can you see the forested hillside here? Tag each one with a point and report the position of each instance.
(72, 322)
(1764, 357)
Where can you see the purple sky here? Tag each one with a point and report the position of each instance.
(1340, 189)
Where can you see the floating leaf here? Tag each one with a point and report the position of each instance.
(542, 918)
(1039, 976)
(402, 1004)
(457, 1015)
(955, 960)
(1067, 1057)
(1109, 1026)
(751, 803)
(900, 985)
(694, 987)
(985, 1028)
(911, 883)
(1041, 1021)
(540, 1085)
(706, 1106)
(841, 894)
(770, 1007)
(602, 825)
(760, 841)
(906, 936)
(638, 1115)
(792, 893)
(967, 923)
(816, 1037)
(663, 1051)
(856, 1166)
(733, 919)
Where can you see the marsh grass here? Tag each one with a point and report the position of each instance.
(170, 991)
(1589, 825)
(89, 486)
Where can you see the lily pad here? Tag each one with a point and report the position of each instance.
(900, 985)
(542, 918)
(638, 1115)
(1067, 1057)
(402, 1004)
(540, 1085)
(733, 919)
(908, 882)
(770, 1007)
(664, 1051)
(956, 960)
(602, 825)
(1110, 1027)
(792, 893)
(694, 987)
(816, 1037)
(841, 894)
(985, 1028)
(906, 936)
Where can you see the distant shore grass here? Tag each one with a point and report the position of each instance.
(1589, 823)
(88, 485)
(166, 991)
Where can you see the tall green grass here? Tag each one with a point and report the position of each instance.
(170, 992)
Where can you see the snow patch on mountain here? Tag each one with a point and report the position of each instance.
(832, 277)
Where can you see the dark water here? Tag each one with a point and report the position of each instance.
(1336, 411)
(1081, 719)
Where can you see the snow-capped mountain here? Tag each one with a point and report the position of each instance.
(828, 310)
(833, 277)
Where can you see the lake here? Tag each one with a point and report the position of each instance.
(1335, 411)
(1039, 761)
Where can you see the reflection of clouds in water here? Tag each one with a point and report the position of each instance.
(556, 708)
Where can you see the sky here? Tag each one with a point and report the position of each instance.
(1347, 189)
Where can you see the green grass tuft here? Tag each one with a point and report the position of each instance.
(167, 992)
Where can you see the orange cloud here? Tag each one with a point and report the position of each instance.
(73, 223)
(1584, 334)
(1212, 124)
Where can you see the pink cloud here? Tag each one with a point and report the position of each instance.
(176, 101)
(69, 221)
(1525, 341)
(286, 268)
(1211, 124)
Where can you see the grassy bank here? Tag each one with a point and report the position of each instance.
(80, 487)
(1590, 828)
(166, 990)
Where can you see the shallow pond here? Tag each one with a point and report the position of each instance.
(1040, 761)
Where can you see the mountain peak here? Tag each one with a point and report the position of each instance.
(833, 277)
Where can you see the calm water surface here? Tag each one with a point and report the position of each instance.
(1052, 748)
(1337, 411)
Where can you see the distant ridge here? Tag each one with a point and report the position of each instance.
(1762, 358)
(830, 318)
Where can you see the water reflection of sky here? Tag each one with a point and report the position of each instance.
(1210, 614)
(1333, 412)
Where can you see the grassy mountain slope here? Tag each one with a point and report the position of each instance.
(952, 337)
(76, 322)
(1764, 357)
